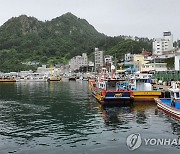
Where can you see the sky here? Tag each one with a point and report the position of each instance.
(142, 18)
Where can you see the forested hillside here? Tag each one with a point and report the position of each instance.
(24, 39)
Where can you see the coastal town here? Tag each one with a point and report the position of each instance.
(89, 77)
(81, 67)
(113, 82)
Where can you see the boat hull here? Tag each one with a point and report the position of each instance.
(146, 95)
(117, 102)
(54, 79)
(172, 111)
(31, 80)
(72, 79)
(113, 101)
(7, 80)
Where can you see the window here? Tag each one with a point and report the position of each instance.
(172, 94)
(177, 95)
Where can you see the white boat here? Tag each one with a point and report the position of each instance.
(33, 77)
(141, 85)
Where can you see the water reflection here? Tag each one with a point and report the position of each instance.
(175, 124)
(116, 116)
(139, 112)
(175, 128)
(143, 110)
(63, 115)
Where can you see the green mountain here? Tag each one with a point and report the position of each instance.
(24, 39)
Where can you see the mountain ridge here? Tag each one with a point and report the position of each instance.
(54, 41)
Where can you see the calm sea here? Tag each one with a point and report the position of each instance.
(63, 118)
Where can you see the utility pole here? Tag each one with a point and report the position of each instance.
(115, 62)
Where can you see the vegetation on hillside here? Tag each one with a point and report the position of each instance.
(24, 39)
(170, 63)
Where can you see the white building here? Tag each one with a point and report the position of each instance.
(177, 62)
(25, 73)
(154, 67)
(161, 45)
(99, 59)
(47, 71)
(128, 57)
(91, 66)
(165, 56)
(78, 61)
(108, 59)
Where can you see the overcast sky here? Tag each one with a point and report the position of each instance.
(143, 18)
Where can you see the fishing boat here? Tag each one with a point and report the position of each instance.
(171, 105)
(107, 91)
(52, 76)
(141, 85)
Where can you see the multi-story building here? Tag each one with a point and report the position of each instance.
(108, 59)
(78, 61)
(161, 45)
(138, 61)
(108, 62)
(99, 59)
(154, 67)
(128, 57)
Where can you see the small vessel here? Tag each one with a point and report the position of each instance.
(32, 77)
(107, 91)
(171, 105)
(141, 85)
(72, 78)
(7, 79)
(52, 77)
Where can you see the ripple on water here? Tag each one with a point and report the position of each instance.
(61, 115)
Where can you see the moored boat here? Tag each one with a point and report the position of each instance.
(171, 105)
(107, 91)
(32, 77)
(141, 85)
(7, 79)
(72, 78)
(53, 78)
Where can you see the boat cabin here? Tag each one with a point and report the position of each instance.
(141, 82)
(113, 85)
(175, 93)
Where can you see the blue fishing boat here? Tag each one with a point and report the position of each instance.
(171, 105)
